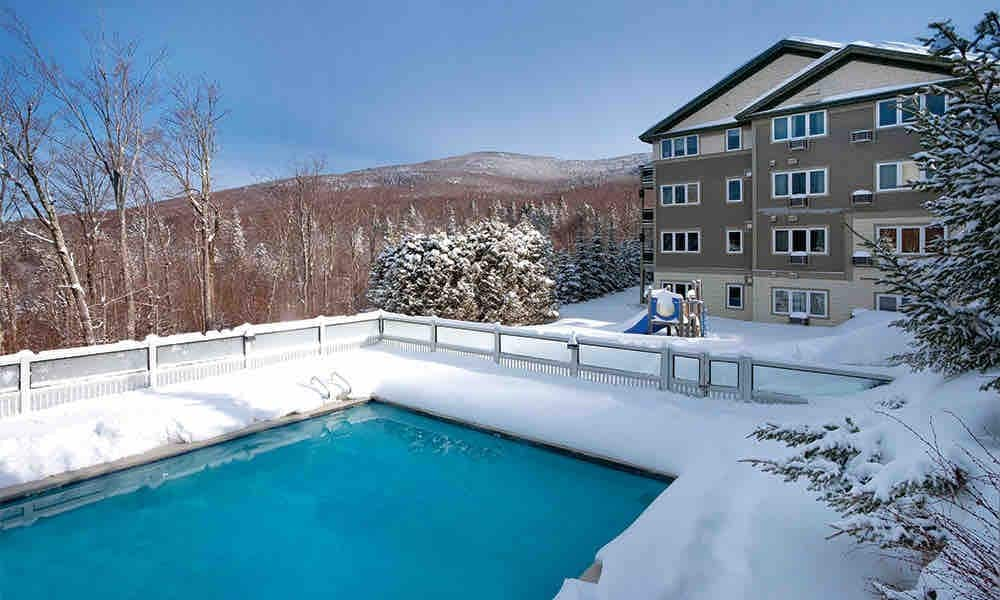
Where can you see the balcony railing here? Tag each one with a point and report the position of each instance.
(647, 256)
(647, 176)
(647, 216)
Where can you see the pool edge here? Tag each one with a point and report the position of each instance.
(21, 491)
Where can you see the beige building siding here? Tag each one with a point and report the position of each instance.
(843, 296)
(860, 75)
(714, 291)
(733, 100)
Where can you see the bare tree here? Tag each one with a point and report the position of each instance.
(25, 162)
(185, 153)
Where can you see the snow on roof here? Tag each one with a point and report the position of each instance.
(812, 40)
(730, 120)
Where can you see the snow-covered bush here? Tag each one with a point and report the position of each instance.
(953, 310)
(490, 272)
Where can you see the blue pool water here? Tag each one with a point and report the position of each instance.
(372, 502)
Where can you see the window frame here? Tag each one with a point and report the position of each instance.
(899, 236)
(898, 100)
(742, 241)
(903, 185)
(809, 293)
(739, 137)
(899, 298)
(808, 126)
(809, 193)
(684, 141)
(728, 181)
(673, 195)
(674, 233)
(808, 229)
(742, 289)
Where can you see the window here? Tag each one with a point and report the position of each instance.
(680, 193)
(734, 241)
(734, 190)
(680, 241)
(900, 111)
(734, 296)
(679, 146)
(910, 239)
(677, 287)
(799, 183)
(808, 302)
(799, 240)
(890, 302)
(898, 175)
(797, 127)
(734, 139)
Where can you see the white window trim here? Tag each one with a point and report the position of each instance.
(728, 180)
(899, 237)
(725, 240)
(697, 185)
(742, 296)
(675, 231)
(898, 297)
(807, 229)
(809, 134)
(904, 187)
(739, 131)
(789, 291)
(922, 105)
(672, 141)
(826, 180)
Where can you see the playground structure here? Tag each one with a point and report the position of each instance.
(680, 316)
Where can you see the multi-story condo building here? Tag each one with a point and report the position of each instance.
(763, 185)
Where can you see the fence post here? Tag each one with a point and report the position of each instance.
(434, 334)
(321, 323)
(666, 361)
(24, 381)
(381, 325)
(248, 337)
(574, 355)
(496, 343)
(704, 375)
(151, 360)
(746, 378)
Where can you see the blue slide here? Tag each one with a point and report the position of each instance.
(643, 326)
(659, 320)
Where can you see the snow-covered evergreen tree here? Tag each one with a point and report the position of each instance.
(953, 311)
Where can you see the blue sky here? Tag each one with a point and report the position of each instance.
(372, 83)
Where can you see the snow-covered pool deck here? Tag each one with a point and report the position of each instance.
(722, 530)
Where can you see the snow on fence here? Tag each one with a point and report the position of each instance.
(30, 381)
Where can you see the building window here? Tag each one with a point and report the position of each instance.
(797, 127)
(799, 240)
(799, 183)
(900, 111)
(909, 239)
(734, 241)
(812, 303)
(680, 193)
(734, 139)
(674, 242)
(890, 302)
(679, 146)
(734, 296)
(677, 287)
(897, 175)
(734, 190)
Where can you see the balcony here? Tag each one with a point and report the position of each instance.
(647, 216)
(647, 256)
(647, 176)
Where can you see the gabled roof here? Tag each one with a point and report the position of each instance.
(808, 47)
(889, 53)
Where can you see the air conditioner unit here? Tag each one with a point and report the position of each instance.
(798, 202)
(798, 259)
(862, 197)
(864, 135)
(798, 144)
(798, 318)
(862, 258)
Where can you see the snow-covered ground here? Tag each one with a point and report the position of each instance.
(722, 530)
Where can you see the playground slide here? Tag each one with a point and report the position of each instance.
(642, 326)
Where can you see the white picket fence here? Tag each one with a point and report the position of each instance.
(30, 382)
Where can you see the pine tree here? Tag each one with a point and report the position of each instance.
(953, 310)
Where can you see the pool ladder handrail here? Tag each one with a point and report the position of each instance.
(343, 384)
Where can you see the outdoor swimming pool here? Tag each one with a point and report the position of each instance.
(371, 502)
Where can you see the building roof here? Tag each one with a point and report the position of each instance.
(790, 45)
(828, 56)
